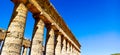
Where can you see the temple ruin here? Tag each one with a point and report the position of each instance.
(59, 39)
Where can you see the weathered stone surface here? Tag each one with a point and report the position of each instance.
(37, 40)
(13, 41)
(50, 41)
(58, 45)
(71, 51)
(51, 16)
(45, 14)
(64, 47)
(26, 43)
(68, 48)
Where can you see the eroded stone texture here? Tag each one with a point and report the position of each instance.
(13, 41)
(50, 41)
(26, 43)
(51, 16)
(64, 47)
(44, 8)
(68, 48)
(58, 45)
(37, 40)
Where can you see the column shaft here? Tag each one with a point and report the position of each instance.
(64, 47)
(50, 42)
(13, 41)
(68, 48)
(37, 40)
(71, 50)
(25, 51)
(58, 45)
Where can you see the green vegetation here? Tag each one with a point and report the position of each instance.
(116, 54)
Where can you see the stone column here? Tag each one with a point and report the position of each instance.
(37, 39)
(71, 51)
(50, 41)
(68, 48)
(58, 45)
(13, 41)
(25, 51)
(74, 51)
(64, 47)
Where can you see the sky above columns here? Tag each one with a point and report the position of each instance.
(95, 23)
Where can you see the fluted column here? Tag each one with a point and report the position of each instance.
(50, 41)
(64, 47)
(13, 41)
(37, 39)
(58, 45)
(68, 48)
(25, 51)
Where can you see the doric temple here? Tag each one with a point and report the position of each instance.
(59, 38)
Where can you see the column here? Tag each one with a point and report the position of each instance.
(25, 51)
(50, 41)
(37, 39)
(64, 47)
(68, 48)
(13, 41)
(71, 51)
(76, 51)
(58, 45)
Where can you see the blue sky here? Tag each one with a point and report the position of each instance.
(95, 23)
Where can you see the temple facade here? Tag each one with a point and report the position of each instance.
(59, 39)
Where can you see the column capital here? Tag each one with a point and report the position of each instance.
(50, 25)
(58, 32)
(37, 15)
(64, 37)
(26, 43)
